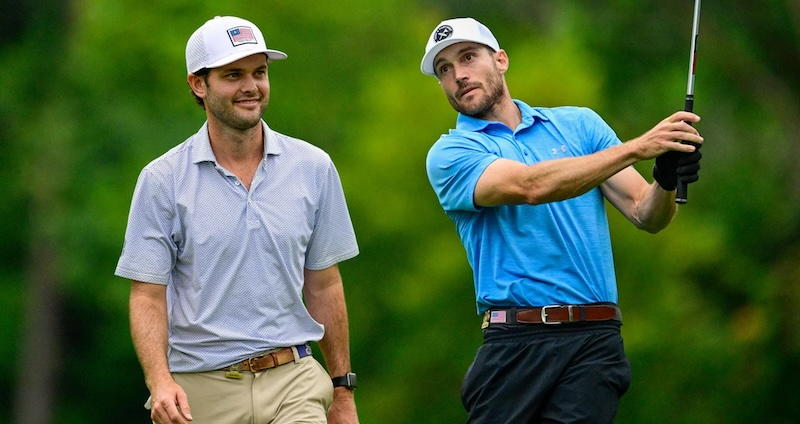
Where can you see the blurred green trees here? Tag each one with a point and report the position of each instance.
(93, 90)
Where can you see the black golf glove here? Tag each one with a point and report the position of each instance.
(673, 165)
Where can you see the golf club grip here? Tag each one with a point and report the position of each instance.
(682, 195)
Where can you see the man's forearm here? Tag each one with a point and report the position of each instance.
(148, 316)
(324, 295)
(656, 209)
(511, 182)
(329, 310)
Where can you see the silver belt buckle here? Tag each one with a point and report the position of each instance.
(545, 315)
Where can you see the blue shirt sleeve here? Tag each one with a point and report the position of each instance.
(597, 132)
(454, 165)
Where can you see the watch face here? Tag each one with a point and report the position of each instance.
(352, 381)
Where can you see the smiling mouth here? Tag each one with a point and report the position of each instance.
(247, 102)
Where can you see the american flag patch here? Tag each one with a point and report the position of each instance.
(242, 35)
(497, 316)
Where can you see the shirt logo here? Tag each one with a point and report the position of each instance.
(242, 35)
(442, 33)
(555, 151)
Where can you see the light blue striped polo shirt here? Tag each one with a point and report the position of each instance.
(233, 259)
(523, 255)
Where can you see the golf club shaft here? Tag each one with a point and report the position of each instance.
(682, 195)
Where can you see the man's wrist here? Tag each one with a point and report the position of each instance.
(667, 182)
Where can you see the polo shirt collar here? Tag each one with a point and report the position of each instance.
(529, 117)
(202, 151)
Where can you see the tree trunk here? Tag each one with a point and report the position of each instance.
(38, 364)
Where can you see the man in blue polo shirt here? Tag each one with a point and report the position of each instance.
(525, 187)
(232, 247)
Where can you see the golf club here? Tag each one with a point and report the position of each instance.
(682, 194)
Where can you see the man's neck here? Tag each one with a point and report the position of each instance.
(238, 151)
(507, 112)
(233, 146)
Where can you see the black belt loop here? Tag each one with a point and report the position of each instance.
(512, 316)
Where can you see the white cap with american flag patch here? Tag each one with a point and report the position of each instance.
(223, 40)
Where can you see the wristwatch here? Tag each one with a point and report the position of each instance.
(347, 381)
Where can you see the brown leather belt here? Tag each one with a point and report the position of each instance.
(266, 361)
(552, 314)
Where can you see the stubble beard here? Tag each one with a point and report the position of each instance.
(227, 115)
(494, 93)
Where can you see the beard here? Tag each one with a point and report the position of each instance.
(494, 93)
(225, 112)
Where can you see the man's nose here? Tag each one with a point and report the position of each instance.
(249, 84)
(460, 73)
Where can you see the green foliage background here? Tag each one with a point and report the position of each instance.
(92, 90)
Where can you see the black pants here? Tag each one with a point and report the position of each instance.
(535, 373)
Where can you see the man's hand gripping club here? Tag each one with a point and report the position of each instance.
(673, 164)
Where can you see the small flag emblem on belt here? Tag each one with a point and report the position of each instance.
(498, 316)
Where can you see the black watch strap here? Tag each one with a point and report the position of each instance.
(348, 381)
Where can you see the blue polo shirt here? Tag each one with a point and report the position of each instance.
(233, 259)
(523, 255)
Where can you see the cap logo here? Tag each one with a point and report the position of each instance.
(242, 35)
(442, 33)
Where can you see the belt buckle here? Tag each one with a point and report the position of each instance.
(250, 362)
(545, 315)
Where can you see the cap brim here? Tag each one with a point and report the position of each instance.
(276, 54)
(272, 54)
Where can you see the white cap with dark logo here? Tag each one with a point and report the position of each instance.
(454, 31)
(223, 40)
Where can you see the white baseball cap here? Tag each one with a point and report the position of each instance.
(223, 40)
(453, 31)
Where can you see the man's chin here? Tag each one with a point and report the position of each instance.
(243, 124)
(250, 120)
(475, 111)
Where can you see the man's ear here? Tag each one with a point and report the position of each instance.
(501, 57)
(197, 84)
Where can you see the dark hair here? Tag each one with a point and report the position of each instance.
(201, 73)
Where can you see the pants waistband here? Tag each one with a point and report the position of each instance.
(552, 314)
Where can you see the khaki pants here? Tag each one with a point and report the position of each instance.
(297, 392)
